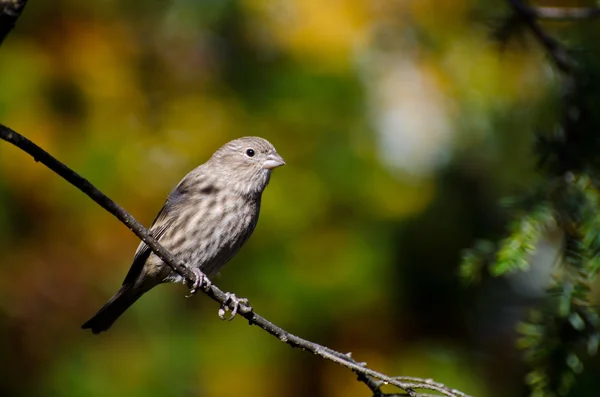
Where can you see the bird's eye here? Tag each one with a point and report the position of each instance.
(250, 152)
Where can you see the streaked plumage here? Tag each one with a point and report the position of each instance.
(205, 221)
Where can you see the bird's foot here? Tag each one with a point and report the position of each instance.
(235, 301)
(200, 280)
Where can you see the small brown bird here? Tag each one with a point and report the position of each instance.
(205, 221)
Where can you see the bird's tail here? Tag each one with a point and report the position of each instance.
(112, 310)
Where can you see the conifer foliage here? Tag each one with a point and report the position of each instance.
(563, 330)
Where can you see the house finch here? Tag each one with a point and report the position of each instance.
(205, 221)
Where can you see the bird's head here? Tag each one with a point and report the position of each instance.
(246, 163)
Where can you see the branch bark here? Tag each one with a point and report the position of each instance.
(566, 13)
(10, 11)
(365, 374)
(557, 53)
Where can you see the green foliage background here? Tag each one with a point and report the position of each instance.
(402, 125)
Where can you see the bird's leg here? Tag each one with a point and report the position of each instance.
(231, 298)
(200, 280)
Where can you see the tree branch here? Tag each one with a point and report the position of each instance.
(10, 11)
(365, 374)
(555, 51)
(566, 13)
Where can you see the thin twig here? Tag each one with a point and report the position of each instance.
(430, 382)
(10, 11)
(373, 384)
(566, 13)
(212, 291)
(555, 51)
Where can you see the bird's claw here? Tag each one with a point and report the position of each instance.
(235, 301)
(200, 280)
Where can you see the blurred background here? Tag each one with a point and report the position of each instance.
(402, 124)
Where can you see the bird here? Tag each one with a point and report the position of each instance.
(205, 220)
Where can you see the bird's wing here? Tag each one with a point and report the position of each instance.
(160, 224)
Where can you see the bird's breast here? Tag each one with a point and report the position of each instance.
(218, 230)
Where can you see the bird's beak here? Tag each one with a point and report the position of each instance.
(273, 161)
